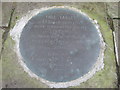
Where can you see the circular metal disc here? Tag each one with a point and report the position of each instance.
(60, 45)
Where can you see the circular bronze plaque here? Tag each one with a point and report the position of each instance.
(60, 45)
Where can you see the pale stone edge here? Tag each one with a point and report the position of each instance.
(16, 32)
(116, 48)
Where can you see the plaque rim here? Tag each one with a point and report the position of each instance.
(17, 30)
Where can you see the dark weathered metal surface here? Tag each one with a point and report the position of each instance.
(60, 45)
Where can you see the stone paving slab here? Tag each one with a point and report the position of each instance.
(113, 9)
(16, 77)
(6, 12)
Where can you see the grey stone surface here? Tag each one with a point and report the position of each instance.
(113, 9)
(6, 13)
